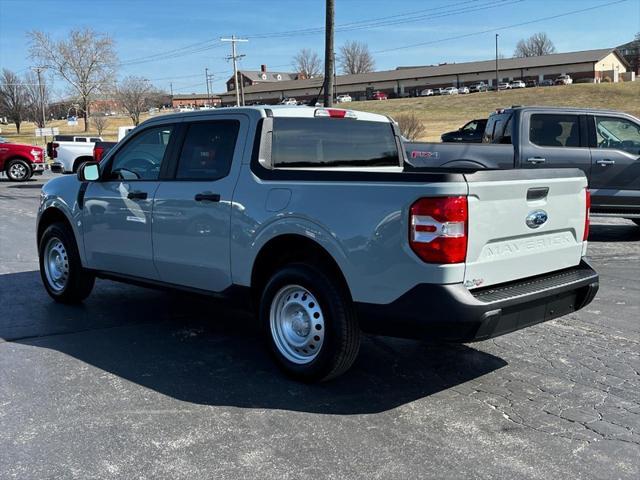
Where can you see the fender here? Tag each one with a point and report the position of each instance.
(244, 257)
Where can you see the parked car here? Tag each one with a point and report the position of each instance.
(449, 91)
(563, 80)
(289, 101)
(470, 132)
(504, 86)
(463, 90)
(478, 87)
(20, 162)
(546, 83)
(531, 83)
(439, 255)
(604, 144)
(517, 84)
(427, 92)
(379, 96)
(67, 154)
(343, 98)
(438, 91)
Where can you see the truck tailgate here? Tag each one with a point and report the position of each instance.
(523, 223)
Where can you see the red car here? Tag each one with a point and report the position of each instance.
(379, 96)
(20, 161)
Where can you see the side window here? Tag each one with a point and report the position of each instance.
(207, 151)
(470, 127)
(618, 133)
(551, 130)
(141, 157)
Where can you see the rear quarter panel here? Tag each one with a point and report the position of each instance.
(362, 225)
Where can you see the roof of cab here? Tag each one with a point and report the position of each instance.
(276, 111)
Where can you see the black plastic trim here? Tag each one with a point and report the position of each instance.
(452, 313)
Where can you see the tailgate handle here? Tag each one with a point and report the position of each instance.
(605, 162)
(537, 193)
(536, 160)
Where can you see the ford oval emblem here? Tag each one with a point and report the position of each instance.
(536, 218)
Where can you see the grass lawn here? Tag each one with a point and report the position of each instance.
(438, 114)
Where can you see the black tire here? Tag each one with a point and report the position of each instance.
(18, 170)
(341, 336)
(78, 281)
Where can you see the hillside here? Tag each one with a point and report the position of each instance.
(438, 114)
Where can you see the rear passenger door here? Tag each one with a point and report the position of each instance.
(554, 140)
(192, 211)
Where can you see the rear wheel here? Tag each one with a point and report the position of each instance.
(64, 278)
(309, 323)
(18, 170)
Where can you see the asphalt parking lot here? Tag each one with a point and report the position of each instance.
(137, 383)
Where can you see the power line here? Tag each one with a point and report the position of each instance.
(506, 27)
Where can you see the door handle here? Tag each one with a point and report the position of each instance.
(605, 161)
(137, 195)
(207, 197)
(536, 160)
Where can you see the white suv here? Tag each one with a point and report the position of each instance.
(343, 98)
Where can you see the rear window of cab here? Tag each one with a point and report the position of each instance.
(332, 142)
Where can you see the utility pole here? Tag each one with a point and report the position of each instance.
(171, 88)
(328, 53)
(38, 71)
(206, 78)
(234, 56)
(497, 35)
(210, 88)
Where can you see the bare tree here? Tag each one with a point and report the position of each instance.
(13, 98)
(86, 60)
(410, 126)
(355, 57)
(38, 95)
(536, 45)
(100, 122)
(135, 95)
(307, 63)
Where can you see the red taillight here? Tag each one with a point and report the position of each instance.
(334, 113)
(438, 229)
(586, 214)
(97, 153)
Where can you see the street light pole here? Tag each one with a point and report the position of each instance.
(497, 35)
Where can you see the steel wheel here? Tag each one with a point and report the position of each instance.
(56, 264)
(297, 324)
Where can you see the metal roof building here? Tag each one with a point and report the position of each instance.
(588, 65)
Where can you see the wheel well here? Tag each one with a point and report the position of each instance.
(49, 216)
(288, 249)
(80, 160)
(9, 160)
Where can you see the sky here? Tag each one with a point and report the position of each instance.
(172, 42)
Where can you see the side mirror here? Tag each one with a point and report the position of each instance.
(89, 172)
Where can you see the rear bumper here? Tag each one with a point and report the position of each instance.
(57, 168)
(38, 167)
(455, 314)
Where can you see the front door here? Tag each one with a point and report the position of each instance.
(192, 211)
(615, 171)
(555, 141)
(116, 213)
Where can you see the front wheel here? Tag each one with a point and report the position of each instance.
(18, 171)
(64, 278)
(309, 323)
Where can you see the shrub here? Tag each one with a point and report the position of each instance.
(410, 126)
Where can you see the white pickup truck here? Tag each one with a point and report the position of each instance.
(69, 151)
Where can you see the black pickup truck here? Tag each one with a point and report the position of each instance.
(605, 144)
